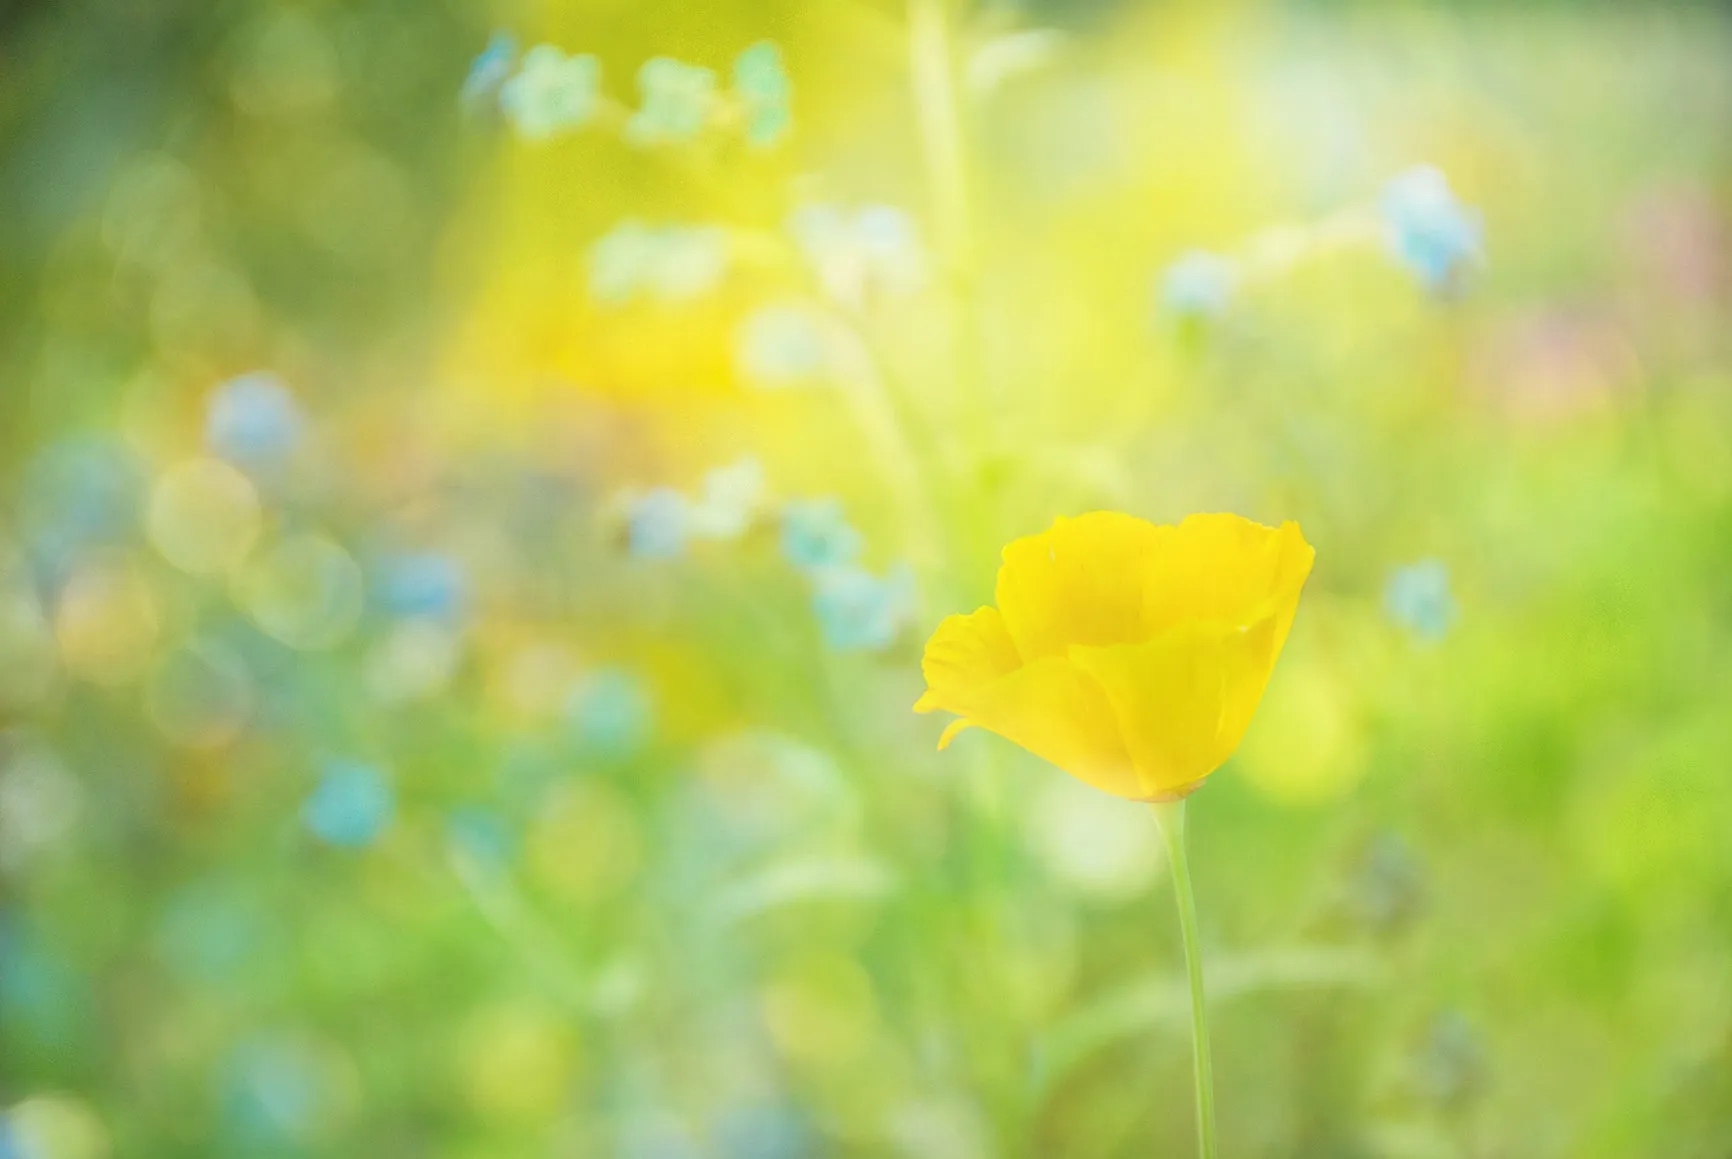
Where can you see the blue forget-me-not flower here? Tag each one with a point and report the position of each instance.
(783, 344)
(351, 806)
(816, 534)
(677, 101)
(610, 714)
(1430, 231)
(552, 92)
(1419, 599)
(254, 421)
(861, 612)
(1198, 285)
(490, 71)
(764, 92)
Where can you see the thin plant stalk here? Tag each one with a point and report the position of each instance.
(944, 140)
(1171, 817)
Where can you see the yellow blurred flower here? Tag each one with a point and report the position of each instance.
(1130, 655)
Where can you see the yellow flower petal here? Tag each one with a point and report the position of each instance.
(1183, 700)
(1080, 582)
(1059, 714)
(963, 654)
(1224, 569)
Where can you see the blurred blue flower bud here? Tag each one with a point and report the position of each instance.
(860, 612)
(254, 421)
(273, 1092)
(873, 249)
(782, 345)
(351, 806)
(657, 524)
(1198, 285)
(483, 836)
(42, 996)
(77, 494)
(1418, 598)
(673, 263)
(765, 1132)
(1449, 1068)
(677, 101)
(210, 931)
(610, 714)
(489, 72)
(551, 93)
(1430, 232)
(765, 93)
(731, 498)
(422, 585)
(816, 534)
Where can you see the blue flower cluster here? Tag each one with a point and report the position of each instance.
(857, 610)
(660, 523)
(671, 263)
(547, 93)
(860, 252)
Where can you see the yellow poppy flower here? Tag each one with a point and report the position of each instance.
(1130, 655)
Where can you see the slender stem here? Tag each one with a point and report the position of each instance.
(932, 57)
(944, 140)
(1171, 816)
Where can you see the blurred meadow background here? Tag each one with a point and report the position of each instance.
(475, 480)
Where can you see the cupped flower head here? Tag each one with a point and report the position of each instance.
(1130, 655)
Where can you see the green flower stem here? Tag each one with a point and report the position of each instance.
(1171, 816)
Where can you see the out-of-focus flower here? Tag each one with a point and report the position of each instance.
(1418, 598)
(1387, 889)
(731, 498)
(422, 585)
(77, 494)
(42, 995)
(1198, 285)
(816, 534)
(210, 931)
(677, 101)
(658, 524)
(1129, 655)
(1449, 1067)
(1430, 232)
(861, 612)
(873, 248)
(782, 345)
(277, 1092)
(481, 836)
(673, 263)
(490, 71)
(765, 1131)
(765, 94)
(552, 92)
(351, 806)
(610, 714)
(254, 421)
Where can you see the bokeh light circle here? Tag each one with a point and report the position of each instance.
(204, 516)
(305, 591)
